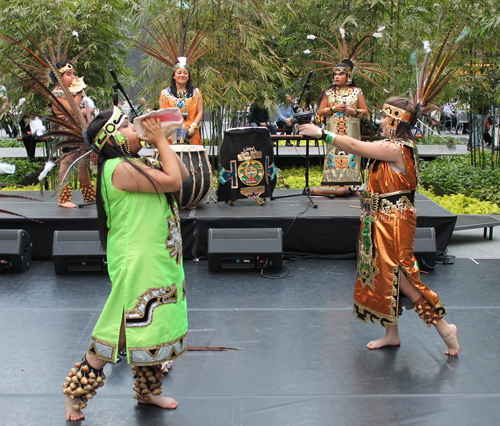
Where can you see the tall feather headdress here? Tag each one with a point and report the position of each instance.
(354, 51)
(36, 64)
(171, 48)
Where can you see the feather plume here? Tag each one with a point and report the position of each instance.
(339, 50)
(166, 47)
(435, 71)
(49, 165)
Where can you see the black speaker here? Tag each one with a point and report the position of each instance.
(236, 249)
(424, 248)
(15, 250)
(77, 252)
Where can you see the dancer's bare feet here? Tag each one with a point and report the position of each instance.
(165, 367)
(384, 341)
(391, 338)
(68, 205)
(451, 340)
(161, 401)
(71, 413)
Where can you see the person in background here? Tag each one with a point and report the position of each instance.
(285, 116)
(259, 116)
(28, 139)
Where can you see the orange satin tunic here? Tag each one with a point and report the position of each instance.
(392, 228)
(189, 105)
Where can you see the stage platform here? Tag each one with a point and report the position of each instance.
(329, 229)
(303, 359)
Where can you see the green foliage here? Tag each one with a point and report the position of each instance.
(23, 170)
(11, 143)
(438, 140)
(460, 204)
(294, 177)
(456, 175)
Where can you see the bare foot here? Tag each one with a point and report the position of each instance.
(384, 341)
(165, 367)
(451, 340)
(71, 413)
(161, 401)
(68, 205)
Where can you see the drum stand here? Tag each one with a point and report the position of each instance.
(307, 190)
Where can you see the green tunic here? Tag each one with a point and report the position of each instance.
(145, 267)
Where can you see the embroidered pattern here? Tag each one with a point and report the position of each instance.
(367, 259)
(364, 314)
(102, 350)
(251, 172)
(142, 314)
(174, 238)
(153, 355)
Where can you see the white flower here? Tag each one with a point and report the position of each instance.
(377, 35)
(382, 28)
(311, 36)
(75, 34)
(427, 46)
(342, 32)
(307, 51)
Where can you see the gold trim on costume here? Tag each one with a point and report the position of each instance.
(65, 68)
(153, 355)
(364, 314)
(397, 113)
(99, 347)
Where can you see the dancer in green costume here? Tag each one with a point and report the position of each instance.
(146, 311)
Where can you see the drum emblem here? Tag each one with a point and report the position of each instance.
(341, 161)
(251, 172)
(352, 161)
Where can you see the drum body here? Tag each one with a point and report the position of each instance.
(247, 164)
(198, 186)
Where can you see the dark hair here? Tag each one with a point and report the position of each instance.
(109, 151)
(346, 63)
(59, 65)
(403, 130)
(189, 86)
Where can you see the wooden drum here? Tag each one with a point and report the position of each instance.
(197, 187)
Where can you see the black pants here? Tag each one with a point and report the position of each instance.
(30, 145)
(287, 130)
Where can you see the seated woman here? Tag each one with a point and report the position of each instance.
(387, 269)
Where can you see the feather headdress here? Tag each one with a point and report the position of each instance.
(435, 71)
(36, 64)
(353, 51)
(171, 49)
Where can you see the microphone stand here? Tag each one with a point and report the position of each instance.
(307, 190)
(117, 86)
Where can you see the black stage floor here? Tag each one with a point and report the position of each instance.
(304, 360)
(330, 229)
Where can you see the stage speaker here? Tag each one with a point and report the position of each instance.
(77, 252)
(424, 248)
(15, 250)
(236, 249)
